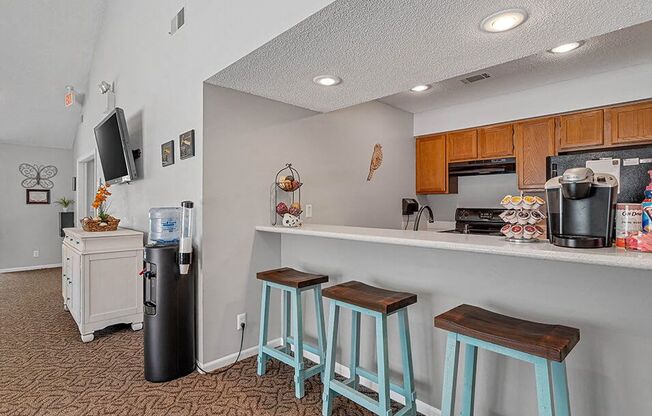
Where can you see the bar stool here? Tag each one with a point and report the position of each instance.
(379, 304)
(292, 283)
(545, 346)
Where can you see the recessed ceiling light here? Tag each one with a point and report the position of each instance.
(566, 47)
(420, 88)
(503, 20)
(327, 80)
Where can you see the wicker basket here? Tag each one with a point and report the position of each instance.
(89, 224)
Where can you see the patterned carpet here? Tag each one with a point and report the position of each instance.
(45, 369)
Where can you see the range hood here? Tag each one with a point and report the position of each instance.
(483, 167)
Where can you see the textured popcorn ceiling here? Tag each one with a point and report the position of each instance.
(623, 48)
(384, 47)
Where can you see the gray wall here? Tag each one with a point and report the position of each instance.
(247, 139)
(608, 371)
(25, 228)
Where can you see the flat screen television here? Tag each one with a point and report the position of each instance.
(113, 148)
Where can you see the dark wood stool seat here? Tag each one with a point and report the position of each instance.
(370, 297)
(552, 342)
(293, 278)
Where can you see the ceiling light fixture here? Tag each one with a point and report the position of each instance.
(566, 47)
(420, 88)
(503, 20)
(327, 80)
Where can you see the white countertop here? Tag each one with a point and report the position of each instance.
(473, 243)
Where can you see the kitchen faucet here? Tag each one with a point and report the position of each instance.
(431, 217)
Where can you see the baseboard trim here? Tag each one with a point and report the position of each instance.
(28, 268)
(422, 407)
(230, 359)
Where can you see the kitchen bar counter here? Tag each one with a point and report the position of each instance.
(604, 292)
(430, 238)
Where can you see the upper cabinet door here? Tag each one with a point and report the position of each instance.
(629, 124)
(535, 140)
(497, 141)
(462, 145)
(432, 169)
(580, 130)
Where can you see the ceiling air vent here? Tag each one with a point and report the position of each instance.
(177, 21)
(475, 78)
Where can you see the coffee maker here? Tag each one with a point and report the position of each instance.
(581, 208)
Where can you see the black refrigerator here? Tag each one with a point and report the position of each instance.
(634, 165)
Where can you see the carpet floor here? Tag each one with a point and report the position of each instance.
(45, 369)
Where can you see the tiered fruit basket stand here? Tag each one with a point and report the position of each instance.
(285, 197)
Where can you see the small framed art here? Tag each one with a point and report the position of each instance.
(37, 196)
(187, 144)
(167, 153)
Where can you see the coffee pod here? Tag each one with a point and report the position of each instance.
(517, 231)
(516, 201)
(523, 217)
(507, 201)
(528, 202)
(535, 217)
(538, 202)
(529, 232)
(510, 216)
(507, 230)
(539, 230)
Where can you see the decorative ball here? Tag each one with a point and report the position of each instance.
(281, 208)
(295, 185)
(296, 211)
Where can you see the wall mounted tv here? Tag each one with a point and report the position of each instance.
(113, 148)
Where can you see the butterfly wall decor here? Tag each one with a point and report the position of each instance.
(37, 175)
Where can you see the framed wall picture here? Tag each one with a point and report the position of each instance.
(167, 153)
(37, 196)
(187, 144)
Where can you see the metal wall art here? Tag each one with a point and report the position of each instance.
(376, 160)
(37, 175)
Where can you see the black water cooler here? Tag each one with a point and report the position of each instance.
(169, 312)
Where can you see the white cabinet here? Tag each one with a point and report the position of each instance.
(100, 281)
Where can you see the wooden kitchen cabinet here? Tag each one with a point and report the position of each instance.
(496, 141)
(462, 145)
(581, 130)
(535, 140)
(629, 124)
(432, 168)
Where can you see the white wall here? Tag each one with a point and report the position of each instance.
(158, 80)
(25, 228)
(247, 140)
(629, 84)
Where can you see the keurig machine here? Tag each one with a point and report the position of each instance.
(169, 305)
(581, 206)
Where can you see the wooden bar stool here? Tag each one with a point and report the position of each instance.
(292, 283)
(545, 346)
(379, 304)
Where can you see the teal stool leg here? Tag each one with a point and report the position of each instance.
(560, 385)
(321, 331)
(544, 394)
(383, 365)
(408, 369)
(450, 375)
(329, 368)
(287, 319)
(354, 378)
(262, 341)
(297, 331)
(470, 362)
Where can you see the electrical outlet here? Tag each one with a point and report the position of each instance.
(308, 210)
(36, 253)
(242, 319)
